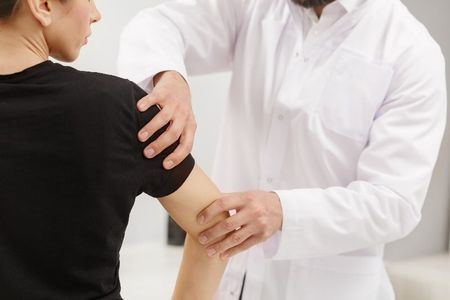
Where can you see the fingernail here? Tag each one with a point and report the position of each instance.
(203, 239)
(201, 220)
(211, 252)
(149, 152)
(143, 136)
(169, 164)
(224, 256)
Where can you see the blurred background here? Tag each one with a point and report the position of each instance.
(419, 265)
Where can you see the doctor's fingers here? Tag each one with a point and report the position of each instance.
(185, 146)
(147, 102)
(224, 204)
(220, 230)
(245, 245)
(166, 139)
(233, 239)
(162, 118)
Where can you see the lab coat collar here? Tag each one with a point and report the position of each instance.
(339, 7)
(350, 5)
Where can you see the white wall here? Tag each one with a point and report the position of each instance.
(148, 220)
(432, 234)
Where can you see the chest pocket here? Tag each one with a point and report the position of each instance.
(354, 91)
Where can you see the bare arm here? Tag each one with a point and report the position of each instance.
(199, 274)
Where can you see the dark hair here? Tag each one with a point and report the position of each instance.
(7, 7)
(312, 3)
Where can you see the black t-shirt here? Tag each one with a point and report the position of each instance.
(70, 169)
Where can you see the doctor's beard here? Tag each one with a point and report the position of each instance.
(312, 3)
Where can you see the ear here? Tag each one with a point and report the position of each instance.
(41, 10)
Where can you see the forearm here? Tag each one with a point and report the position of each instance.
(323, 222)
(200, 275)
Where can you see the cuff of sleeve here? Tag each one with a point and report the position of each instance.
(298, 210)
(280, 243)
(144, 77)
(175, 178)
(271, 246)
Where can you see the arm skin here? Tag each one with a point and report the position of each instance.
(199, 275)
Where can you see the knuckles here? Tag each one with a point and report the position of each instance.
(236, 238)
(258, 212)
(261, 224)
(173, 135)
(186, 148)
(228, 224)
(156, 146)
(193, 125)
(265, 235)
(165, 116)
(221, 204)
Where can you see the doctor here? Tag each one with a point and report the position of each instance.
(332, 128)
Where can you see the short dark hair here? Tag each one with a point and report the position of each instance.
(7, 7)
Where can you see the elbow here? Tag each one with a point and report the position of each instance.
(407, 217)
(412, 219)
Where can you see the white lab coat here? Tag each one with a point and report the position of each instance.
(342, 118)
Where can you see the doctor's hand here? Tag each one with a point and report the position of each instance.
(258, 217)
(172, 94)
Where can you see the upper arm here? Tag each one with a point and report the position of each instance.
(409, 126)
(185, 190)
(207, 29)
(196, 193)
(154, 179)
(195, 36)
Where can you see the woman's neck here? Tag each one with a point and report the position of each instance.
(20, 51)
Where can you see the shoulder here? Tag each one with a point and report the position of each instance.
(393, 36)
(102, 86)
(417, 49)
(411, 34)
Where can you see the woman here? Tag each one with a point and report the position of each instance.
(71, 165)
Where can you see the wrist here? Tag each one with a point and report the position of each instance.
(278, 209)
(167, 74)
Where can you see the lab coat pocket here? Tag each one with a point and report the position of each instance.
(341, 278)
(354, 91)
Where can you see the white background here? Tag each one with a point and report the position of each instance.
(148, 219)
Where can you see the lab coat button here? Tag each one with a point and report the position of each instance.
(280, 117)
(269, 180)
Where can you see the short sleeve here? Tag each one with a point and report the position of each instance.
(155, 180)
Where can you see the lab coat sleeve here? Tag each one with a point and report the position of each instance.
(188, 36)
(394, 170)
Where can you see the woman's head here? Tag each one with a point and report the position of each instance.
(63, 26)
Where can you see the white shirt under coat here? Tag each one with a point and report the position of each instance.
(343, 117)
